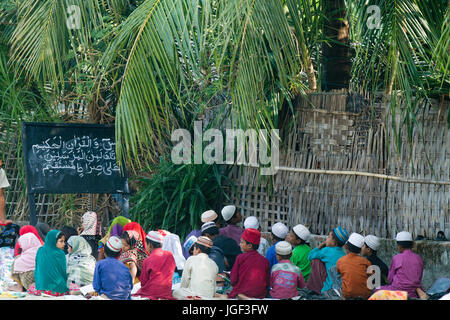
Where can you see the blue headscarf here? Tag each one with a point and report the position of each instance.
(51, 266)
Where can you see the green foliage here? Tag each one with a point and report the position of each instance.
(175, 196)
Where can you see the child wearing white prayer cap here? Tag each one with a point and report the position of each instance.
(285, 277)
(252, 222)
(354, 269)
(278, 233)
(369, 251)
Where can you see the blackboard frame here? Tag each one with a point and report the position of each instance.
(120, 187)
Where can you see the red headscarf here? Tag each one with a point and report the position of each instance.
(134, 226)
(24, 230)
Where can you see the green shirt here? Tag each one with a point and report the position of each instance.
(300, 259)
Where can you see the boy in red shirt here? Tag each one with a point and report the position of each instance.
(250, 275)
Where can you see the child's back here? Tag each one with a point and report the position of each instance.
(406, 272)
(353, 270)
(112, 278)
(285, 279)
(250, 275)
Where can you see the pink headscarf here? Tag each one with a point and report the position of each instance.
(26, 260)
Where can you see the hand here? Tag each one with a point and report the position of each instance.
(322, 245)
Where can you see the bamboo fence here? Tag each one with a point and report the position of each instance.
(339, 167)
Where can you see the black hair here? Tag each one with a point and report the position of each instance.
(254, 246)
(203, 248)
(154, 244)
(276, 238)
(60, 235)
(285, 256)
(405, 244)
(68, 232)
(212, 231)
(301, 240)
(353, 248)
(130, 241)
(338, 241)
(110, 253)
(374, 252)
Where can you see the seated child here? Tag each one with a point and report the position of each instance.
(232, 216)
(369, 251)
(285, 276)
(199, 274)
(229, 250)
(157, 270)
(50, 271)
(278, 233)
(22, 268)
(80, 263)
(111, 277)
(299, 238)
(250, 275)
(328, 253)
(207, 216)
(252, 222)
(353, 269)
(405, 273)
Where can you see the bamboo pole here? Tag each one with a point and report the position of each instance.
(356, 173)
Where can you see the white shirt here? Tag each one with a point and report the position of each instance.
(263, 246)
(3, 180)
(199, 275)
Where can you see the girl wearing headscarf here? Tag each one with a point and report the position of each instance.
(133, 253)
(22, 268)
(115, 229)
(134, 226)
(24, 230)
(91, 231)
(80, 263)
(50, 272)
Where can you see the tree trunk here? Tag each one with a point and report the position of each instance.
(336, 64)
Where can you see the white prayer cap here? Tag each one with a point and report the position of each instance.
(280, 230)
(114, 243)
(356, 239)
(228, 212)
(208, 216)
(302, 232)
(155, 236)
(404, 236)
(251, 222)
(372, 242)
(283, 248)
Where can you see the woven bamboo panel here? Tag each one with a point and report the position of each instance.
(333, 132)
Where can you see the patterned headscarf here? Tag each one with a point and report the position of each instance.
(90, 225)
(137, 252)
(137, 227)
(80, 263)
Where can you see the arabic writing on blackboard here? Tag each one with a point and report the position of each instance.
(78, 156)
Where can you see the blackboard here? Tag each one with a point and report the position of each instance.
(71, 158)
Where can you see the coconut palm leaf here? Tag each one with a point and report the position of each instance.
(49, 35)
(395, 58)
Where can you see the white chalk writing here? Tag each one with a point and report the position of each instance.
(78, 156)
